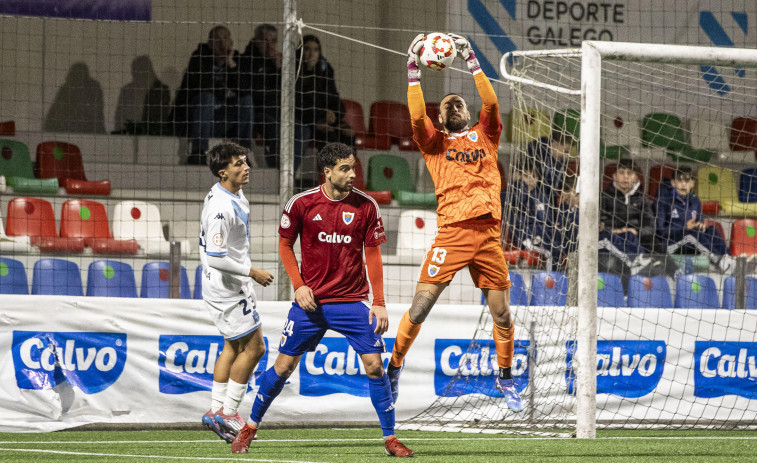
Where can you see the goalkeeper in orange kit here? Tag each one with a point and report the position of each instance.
(462, 161)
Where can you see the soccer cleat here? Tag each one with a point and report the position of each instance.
(229, 423)
(512, 398)
(394, 380)
(207, 420)
(241, 443)
(394, 448)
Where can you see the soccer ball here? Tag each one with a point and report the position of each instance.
(438, 51)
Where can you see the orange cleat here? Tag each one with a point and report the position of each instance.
(393, 447)
(241, 443)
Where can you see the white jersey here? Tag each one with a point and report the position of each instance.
(225, 231)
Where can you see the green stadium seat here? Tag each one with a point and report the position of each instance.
(388, 172)
(569, 121)
(662, 130)
(16, 166)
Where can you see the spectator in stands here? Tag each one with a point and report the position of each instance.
(529, 209)
(553, 154)
(626, 220)
(679, 226)
(562, 230)
(209, 100)
(318, 103)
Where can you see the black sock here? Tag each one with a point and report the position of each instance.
(504, 373)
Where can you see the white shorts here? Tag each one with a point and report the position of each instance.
(235, 317)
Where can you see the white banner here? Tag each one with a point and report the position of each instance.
(69, 361)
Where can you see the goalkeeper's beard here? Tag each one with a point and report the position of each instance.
(455, 125)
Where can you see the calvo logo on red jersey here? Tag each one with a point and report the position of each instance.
(347, 217)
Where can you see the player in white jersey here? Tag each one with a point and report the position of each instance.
(227, 286)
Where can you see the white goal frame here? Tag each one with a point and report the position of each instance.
(592, 54)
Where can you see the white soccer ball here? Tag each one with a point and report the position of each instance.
(438, 51)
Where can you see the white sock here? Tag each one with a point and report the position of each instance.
(234, 395)
(217, 396)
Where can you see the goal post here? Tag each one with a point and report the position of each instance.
(592, 55)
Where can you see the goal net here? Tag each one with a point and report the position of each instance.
(631, 299)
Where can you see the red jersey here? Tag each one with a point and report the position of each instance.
(332, 235)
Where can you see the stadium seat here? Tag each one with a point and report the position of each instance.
(16, 166)
(8, 128)
(609, 291)
(744, 134)
(744, 237)
(424, 183)
(111, 278)
(389, 172)
(718, 226)
(197, 292)
(64, 161)
(140, 220)
(56, 277)
(658, 174)
(649, 292)
(715, 184)
(35, 218)
(84, 218)
(416, 230)
(662, 130)
(748, 185)
(620, 130)
(393, 119)
(518, 294)
(527, 124)
(696, 292)
(13, 244)
(156, 279)
(711, 135)
(12, 277)
(432, 112)
(729, 293)
(353, 115)
(549, 288)
(568, 120)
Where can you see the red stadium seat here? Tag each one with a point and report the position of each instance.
(8, 128)
(717, 225)
(64, 161)
(744, 237)
(656, 176)
(392, 119)
(743, 134)
(83, 218)
(432, 111)
(35, 218)
(710, 207)
(353, 115)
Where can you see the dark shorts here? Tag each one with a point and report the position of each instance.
(304, 330)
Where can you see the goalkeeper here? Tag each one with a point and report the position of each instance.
(462, 161)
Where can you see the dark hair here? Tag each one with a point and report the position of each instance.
(330, 154)
(311, 38)
(261, 29)
(627, 164)
(683, 172)
(452, 93)
(563, 137)
(213, 31)
(220, 156)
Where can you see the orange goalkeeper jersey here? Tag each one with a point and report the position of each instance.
(463, 165)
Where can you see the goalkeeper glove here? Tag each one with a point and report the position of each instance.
(465, 50)
(413, 71)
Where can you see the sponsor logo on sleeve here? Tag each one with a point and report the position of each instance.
(186, 363)
(476, 367)
(725, 368)
(624, 368)
(89, 361)
(334, 367)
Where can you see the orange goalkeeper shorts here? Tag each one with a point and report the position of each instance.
(474, 243)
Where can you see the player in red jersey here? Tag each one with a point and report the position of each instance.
(335, 223)
(462, 161)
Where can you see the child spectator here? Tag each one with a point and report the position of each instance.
(552, 154)
(528, 209)
(679, 226)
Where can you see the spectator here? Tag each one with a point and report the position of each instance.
(552, 154)
(318, 105)
(208, 101)
(679, 225)
(626, 219)
(562, 229)
(529, 209)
